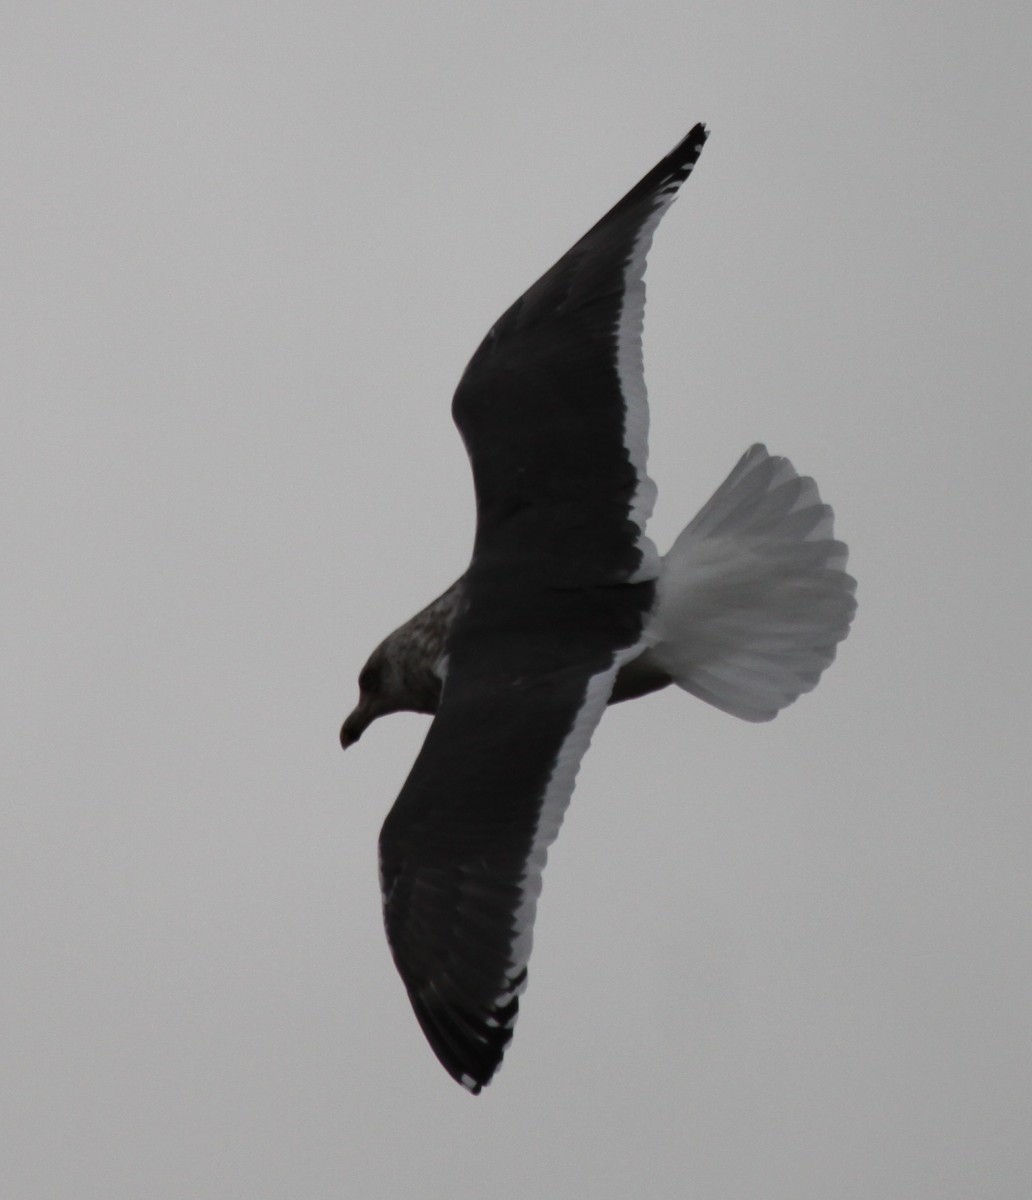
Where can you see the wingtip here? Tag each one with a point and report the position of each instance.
(681, 160)
(696, 136)
(470, 1048)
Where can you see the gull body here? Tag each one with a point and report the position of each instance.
(566, 607)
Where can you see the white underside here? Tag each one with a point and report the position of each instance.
(753, 596)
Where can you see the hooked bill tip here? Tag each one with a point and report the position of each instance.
(350, 732)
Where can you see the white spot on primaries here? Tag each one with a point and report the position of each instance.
(553, 808)
(630, 367)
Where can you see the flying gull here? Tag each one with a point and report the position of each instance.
(567, 607)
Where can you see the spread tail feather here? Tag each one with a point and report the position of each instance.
(753, 596)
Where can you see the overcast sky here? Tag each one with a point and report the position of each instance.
(247, 250)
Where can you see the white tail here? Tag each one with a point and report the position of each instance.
(753, 596)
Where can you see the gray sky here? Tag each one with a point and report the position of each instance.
(247, 250)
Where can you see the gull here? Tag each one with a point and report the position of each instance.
(565, 607)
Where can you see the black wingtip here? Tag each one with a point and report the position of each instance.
(470, 1048)
(662, 181)
(679, 162)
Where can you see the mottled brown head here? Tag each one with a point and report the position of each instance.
(406, 671)
(377, 695)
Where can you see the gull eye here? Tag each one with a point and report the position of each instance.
(369, 679)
